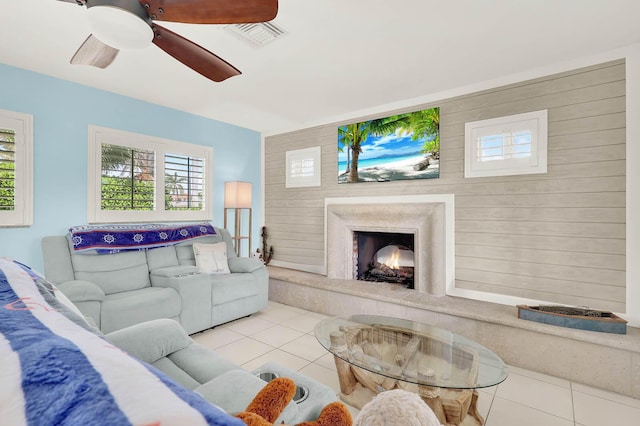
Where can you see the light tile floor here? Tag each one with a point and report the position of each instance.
(284, 334)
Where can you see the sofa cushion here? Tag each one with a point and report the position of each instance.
(226, 288)
(244, 264)
(56, 371)
(162, 257)
(211, 258)
(114, 273)
(185, 251)
(131, 307)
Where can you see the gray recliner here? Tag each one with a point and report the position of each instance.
(122, 289)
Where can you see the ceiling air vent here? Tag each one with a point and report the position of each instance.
(259, 34)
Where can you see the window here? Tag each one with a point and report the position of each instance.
(137, 178)
(16, 169)
(503, 146)
(303, 167)
(184, 182)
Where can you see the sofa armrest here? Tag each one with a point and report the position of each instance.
(244, 264)
(194, 289)
(82, 291)
(151, 340)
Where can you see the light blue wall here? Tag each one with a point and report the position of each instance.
(62, 111)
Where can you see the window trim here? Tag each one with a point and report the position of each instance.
(99, 135)
(22, 124)
(536, 121)
(314, 154)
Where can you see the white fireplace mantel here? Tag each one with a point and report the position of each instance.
(429, 217)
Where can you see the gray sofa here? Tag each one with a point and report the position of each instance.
(122, 289)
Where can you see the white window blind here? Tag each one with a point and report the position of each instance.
(505, 146)
(511, 145)
(128, 178)
(303, 167)
(184, 182)
(16, 169)
(7, 169)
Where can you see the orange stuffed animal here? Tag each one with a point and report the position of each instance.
(274, 397)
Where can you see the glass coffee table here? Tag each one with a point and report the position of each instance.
(374, 354)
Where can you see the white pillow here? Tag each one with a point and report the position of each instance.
(211, 258)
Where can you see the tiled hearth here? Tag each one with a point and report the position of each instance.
(603, 360)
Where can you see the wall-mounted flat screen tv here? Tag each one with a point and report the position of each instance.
(404, 146)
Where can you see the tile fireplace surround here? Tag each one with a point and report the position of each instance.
(428, 217)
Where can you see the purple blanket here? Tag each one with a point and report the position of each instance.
(108, 239)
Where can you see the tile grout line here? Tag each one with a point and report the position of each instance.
(573, 403)
(493, 397)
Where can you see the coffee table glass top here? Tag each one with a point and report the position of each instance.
(411, 352)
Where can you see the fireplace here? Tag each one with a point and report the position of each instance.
(384, 257)
(428, 218)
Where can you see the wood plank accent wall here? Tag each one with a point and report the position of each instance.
(557, 237)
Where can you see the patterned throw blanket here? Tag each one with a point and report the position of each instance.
(54, 370)
(108, 239)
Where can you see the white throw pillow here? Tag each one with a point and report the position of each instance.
(211, 258)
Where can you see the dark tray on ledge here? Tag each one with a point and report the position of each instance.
(580, 318)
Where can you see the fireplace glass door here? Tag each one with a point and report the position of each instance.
(385, 257)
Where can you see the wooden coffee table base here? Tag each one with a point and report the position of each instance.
(451, 406)
(429, 358)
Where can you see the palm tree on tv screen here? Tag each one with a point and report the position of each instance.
(344, 143)
(423, 124)
(355, 134)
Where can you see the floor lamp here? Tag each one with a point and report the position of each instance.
(237, 197)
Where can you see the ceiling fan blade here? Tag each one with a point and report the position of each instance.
(95, 53)
(212, 11)
(78, 2)
(193, 55)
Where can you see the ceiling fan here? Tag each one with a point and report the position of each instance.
(130, 24)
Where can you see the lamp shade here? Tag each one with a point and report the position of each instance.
(237, 195)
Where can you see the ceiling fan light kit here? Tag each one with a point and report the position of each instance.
(129, 24)
(122, 24)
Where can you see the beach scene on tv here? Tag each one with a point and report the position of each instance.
(405, 146)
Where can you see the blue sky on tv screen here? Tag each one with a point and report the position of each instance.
(399, 144)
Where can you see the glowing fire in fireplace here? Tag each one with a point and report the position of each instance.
(394, 257)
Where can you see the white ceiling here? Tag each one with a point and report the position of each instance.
(339, 56)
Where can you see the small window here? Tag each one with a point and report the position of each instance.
(503, 146)
(303, 167)
(16, 169)
(138, 178)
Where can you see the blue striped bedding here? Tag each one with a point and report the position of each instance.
(55, 370)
